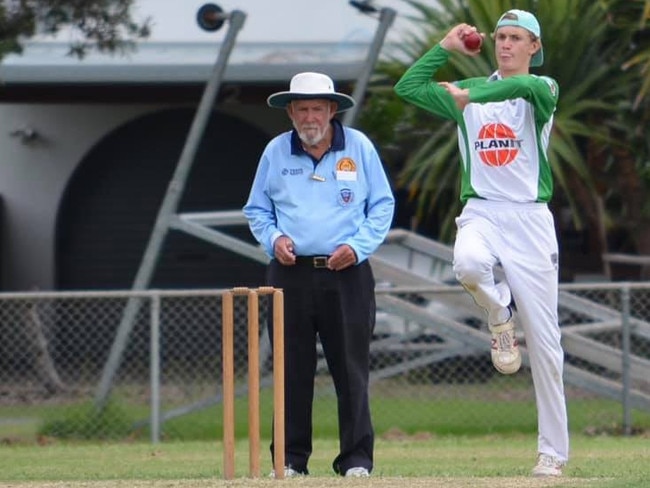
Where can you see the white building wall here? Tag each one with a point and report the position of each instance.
(36, 174)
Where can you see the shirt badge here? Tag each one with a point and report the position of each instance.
(346, 170)
(346, 196)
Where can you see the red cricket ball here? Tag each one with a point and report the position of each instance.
(473, 41)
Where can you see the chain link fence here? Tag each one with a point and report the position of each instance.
(162, 366)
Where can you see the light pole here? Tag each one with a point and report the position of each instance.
(210, 17)
(386, 17)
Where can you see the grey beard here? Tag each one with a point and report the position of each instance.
(311, 141)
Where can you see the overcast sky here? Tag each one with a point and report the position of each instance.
(270, 20)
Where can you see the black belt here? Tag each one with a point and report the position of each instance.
(312, 261)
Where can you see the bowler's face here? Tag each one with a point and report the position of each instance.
(311, 119)
(514, 47)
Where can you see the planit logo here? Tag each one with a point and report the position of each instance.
(497, 144)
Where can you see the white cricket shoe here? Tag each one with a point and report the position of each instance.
(358, 472)
(288, 473)
(547, 466)
(505, 349)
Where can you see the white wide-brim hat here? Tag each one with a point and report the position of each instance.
(310, 86)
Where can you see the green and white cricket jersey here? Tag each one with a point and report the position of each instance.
(506, 183)
(503, 132)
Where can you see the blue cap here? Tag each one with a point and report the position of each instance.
(521, 18)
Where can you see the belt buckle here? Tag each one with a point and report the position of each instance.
(320, 262)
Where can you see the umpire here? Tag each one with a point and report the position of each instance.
(320, 205)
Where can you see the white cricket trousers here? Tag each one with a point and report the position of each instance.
(520, 237)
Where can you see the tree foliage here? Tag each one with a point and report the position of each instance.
(599, 149)
(103, 25)
(631, 18)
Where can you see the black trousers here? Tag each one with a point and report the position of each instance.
(339, 308)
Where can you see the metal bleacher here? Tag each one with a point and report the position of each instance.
(418, 295)
(413, 263)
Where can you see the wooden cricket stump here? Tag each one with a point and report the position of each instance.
(228, 365)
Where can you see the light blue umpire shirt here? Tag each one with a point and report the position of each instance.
(345, 198)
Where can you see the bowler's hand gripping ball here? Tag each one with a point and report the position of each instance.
(473, 41)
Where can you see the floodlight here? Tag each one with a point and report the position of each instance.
(211, 17)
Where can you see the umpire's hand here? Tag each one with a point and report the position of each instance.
(343, 257)
(283, 251)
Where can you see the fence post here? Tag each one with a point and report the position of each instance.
(625, 347)
(155, 368)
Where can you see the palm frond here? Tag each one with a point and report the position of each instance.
(582, 52)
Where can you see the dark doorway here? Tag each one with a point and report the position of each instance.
(112, 200)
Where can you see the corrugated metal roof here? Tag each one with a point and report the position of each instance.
(182, 62)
